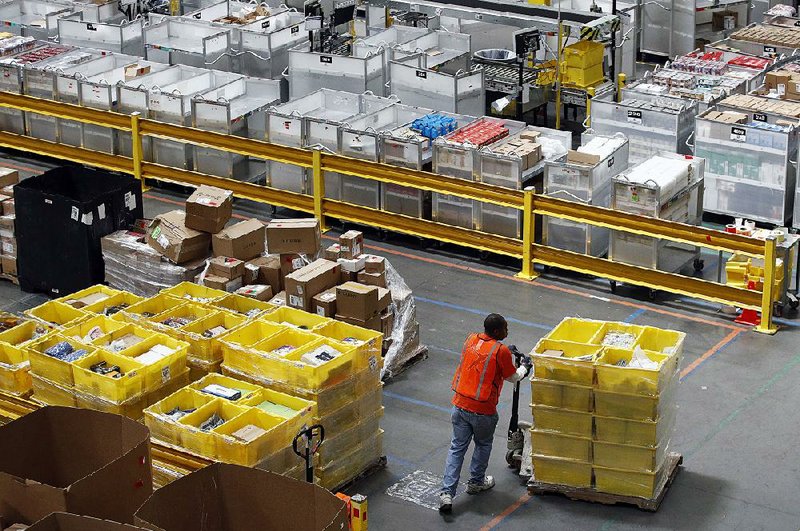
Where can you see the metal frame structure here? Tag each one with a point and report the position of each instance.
(528, 201)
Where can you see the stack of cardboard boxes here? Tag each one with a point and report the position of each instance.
(525, 146)
(727, 117)
(8, 240)
(786, 83)
(756, 104)
(769, 35)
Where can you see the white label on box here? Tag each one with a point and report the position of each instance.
(75, 213)
(321, 311)
(251, 267)
(87, 219)
(130, 200)
(294, 300)
(738, 134)
(781, 89)
(165, 374)
(299, 290)
(297, 263)
(635, 117)
(101, 211)
(373, 363)
(163, 241)
(8, 248)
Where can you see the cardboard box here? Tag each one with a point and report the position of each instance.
(135, 70)
(268, 271)
(287, 236)
(374, 264)
(576, 157)
(256, 291)
(250, 275)
(225, 284)
(291, 263)
(222, 497)
(9, 264)
(244, 240)
(73, 522)
(58, 459)
(352, 265)
(724, 20)
(169, 235)
(279, 299)
(303, 284)
(8, 177)
(774, 79)
(351, 244)
(7, 226)
(373, 323)
(8, 246)
(226, 267)
(348, 276)
(208, 209)
(324, 303)
(357, 301)
(9, 207)
(8, 190)
(384, 298)
(372, 279)
(387, 323)
(332, 252)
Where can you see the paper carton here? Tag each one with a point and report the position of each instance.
(292, 262)
(387, 323)
(208, 209)
(324, 303)
(244, 240)
(374, 264)
(357, 301)
(73, 522)
(73, 460)
(268, 271)
(169, 235)
(279, 299)
(8, 177)
(256, 291)
(373, 323)
(352, 265)
(225, 284)
(303, 284)
(301, 236)
(226, 267)
(351, 244)
(9, 207)
(223, 497)
(576, 157)
(372, 279)
(332, 252)
(9, 264)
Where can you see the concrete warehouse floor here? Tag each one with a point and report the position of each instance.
(737, 418)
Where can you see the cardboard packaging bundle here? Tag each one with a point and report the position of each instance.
(59, 459)
(8, 240)
(232, 498)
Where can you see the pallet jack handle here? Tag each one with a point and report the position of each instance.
(519, 360)
(313, 437)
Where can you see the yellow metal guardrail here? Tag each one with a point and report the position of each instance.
(527, 201)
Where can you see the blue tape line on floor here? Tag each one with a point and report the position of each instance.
(733, 340)
(483, 313)
(634, 315)
(416, 402)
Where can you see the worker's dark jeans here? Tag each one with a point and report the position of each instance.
(468, 426)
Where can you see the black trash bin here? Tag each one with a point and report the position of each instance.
(61, 216)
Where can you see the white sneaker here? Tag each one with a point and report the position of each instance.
(445, 502)
(475, 488)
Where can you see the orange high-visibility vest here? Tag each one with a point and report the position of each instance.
(476, 372)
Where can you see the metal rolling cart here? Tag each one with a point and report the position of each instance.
(166, 96)
(309, 70)
(510, 171)
(461, 159)
(33, 18)
(670, 187)
(100, 92)
(118, 37)
(749, 167)
(237, 108)
(410, 148)
(584, 178)
(177, 41)
(263, 51)
(39, 80)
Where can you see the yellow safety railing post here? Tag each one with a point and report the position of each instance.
(766, 326)
(319, 188)
(558, 77)
(528, 232)
(137, 152)
(621, 78)
(589, 96)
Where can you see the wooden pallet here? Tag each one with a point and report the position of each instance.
(370, 469)
(420, 354)
(672, 465)
(12, 278)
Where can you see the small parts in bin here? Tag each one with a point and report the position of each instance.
(111, 310)
(213, 332)
(104, 369)
(65, 352)
(434, 125)
(351, 341)
(176, 322)
(223, 392)
(249, 433)
(214, 421)
(320, 356)
(178, 413)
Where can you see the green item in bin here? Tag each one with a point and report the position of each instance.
(277, 410)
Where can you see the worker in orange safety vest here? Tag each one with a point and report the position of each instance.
(485, 364)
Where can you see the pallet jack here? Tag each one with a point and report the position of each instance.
(517, 429)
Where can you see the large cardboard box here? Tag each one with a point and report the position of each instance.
(73, 460)
(226, 267)
(324, 303)
(73, 522)
(372, 279)
(305, 283)
(209, 208)
(374, 264)
(223, 497)
(301, 236)
(351, 244)
(169, 235)
(268, 271)
(357, 301)
(244, 240)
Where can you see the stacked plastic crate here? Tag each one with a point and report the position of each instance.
(89, 359)
(603, 406)
(331, 363)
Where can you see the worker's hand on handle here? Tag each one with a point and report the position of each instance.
(521, 360)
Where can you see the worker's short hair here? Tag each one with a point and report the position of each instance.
(494, 322)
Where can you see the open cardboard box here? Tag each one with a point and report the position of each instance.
(223, 497)
(73, 460)
(73, 522)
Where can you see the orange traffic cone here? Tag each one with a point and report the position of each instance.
(749, 317)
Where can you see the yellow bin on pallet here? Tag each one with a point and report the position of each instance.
(560, 471)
